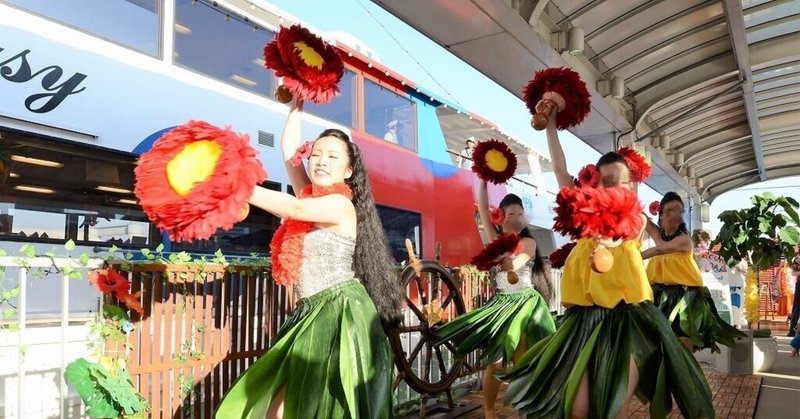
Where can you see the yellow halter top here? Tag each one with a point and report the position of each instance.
(626, 281)
(674, 269)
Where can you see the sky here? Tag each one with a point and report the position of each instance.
(403, 49)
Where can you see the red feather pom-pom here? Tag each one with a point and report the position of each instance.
(638, 166)
(559, 256)
(592, 213)
(493, 161)
(655, 207)
(507, 243)
(310, 67)
(566, 83)
(218, 200)
(588, 176)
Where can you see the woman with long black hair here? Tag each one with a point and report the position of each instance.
(678, 289)
(518, 315)
(331, 359)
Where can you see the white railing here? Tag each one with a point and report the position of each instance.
(39, 351)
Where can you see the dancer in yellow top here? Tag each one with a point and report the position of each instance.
(612, 341)
(677, 284)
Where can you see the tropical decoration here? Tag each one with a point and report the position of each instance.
(491, 255)
(654, 208)
(493, 161)
(751, 297)
(588, 176)
(640, 169)
(562, 89)
(303, 153)
(197, 178)
(760, 236)
(310, 67)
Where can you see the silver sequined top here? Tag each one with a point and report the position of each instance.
(327, 261)
(525, 273)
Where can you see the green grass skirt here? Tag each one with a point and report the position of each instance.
(331, 355)
(693, 314)
(600, 342)
(498, 327)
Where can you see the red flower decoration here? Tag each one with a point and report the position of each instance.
(566, 83)
(132, 302)
(655, 207)
(638, 166)
(506, 243)
(591, 213)
(303, 153)
(110, 281)
(310, 67)
(493, 161)
(588, 176)
(214, 172)
(559, 256)
(496, 216)
(286, 247)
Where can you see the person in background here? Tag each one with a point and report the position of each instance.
(464, 160)
(391, 131)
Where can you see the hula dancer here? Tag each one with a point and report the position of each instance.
(677, 284)
(331, 359)
(518, 315)
(612, 341)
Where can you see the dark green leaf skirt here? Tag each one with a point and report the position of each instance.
(332, 357)
(498, 327)
(693, 314)
(600, 342)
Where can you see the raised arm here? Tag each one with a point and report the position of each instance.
(334, 209)
(652, 230)
(565, 180)
(290, 142)
(483, 211)
(528, 250)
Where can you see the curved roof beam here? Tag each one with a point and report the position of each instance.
(735, 15)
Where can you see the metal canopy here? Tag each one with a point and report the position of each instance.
(715, 81)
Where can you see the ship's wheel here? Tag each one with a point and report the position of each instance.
(432, 298)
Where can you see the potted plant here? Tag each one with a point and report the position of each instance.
(760, 236)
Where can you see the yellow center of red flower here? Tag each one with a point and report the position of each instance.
(496, 160)
(194, 164)
(309, 55)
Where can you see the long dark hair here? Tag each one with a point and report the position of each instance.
(541, 276)
(672, 197)
(372, 261)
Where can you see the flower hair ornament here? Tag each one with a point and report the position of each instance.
(497, 216)
(589, 176)
(655, 207)
(303, 153)
(638, 166)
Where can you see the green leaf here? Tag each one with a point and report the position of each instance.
(160, 248)
(790, 235)
(13, 327)
(113, 248)
(14, 292)
(82, 375)
(129, 256)
(83, 259)
(28, 250)
(2, 252)
(69, 245)
(9, 312)
(6, 295)
(75, 275)
(111, 311)
(145, 252)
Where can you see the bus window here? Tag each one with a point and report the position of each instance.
(228, 50)
(400, 225)
(389, 116)
(133, 23)
(340, 109)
